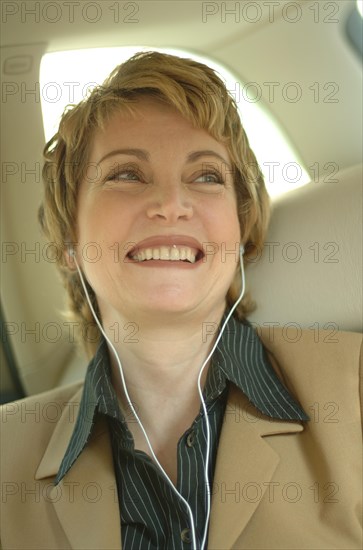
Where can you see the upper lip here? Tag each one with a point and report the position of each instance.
(166, 240)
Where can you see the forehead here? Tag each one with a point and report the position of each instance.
(151, 124)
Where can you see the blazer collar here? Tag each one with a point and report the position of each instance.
(61, 436)
(243, 360)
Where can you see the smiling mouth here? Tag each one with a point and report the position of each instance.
(172, 253)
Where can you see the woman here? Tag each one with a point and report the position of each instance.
(153, 194)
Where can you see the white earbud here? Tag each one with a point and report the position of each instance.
(71, 251)
(241, 249)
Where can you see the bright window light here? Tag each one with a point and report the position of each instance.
(360, 7)
(66, 77)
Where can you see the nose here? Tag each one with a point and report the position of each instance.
(170, 203)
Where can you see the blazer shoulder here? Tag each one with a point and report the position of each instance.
(292, 344)
(32, 420)
(321, 368)
(59, 397)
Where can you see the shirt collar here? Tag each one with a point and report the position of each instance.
(242, 359)
(239, 358)
(98, 397)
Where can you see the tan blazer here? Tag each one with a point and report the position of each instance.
(277, 484)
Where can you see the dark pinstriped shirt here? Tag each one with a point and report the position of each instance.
(152, 517)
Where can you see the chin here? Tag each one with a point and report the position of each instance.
(160, 302)
(172, 305)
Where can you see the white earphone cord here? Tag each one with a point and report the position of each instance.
(207, 457)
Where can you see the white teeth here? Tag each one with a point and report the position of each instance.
(173, 253)
(189, 256)
(164, 253)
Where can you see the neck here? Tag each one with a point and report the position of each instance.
(161, 358)
(161, 361)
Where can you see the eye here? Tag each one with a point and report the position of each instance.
(210, 177)
(127, 174)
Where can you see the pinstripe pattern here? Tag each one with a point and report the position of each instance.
(151, 516)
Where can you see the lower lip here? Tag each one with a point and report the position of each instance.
(168, 263)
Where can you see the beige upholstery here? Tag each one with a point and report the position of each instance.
(310, 272)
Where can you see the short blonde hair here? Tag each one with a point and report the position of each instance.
(200, 95)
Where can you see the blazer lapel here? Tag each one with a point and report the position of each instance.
(86, 499)
(245, 466)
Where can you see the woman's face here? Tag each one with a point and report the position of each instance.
(157, 224)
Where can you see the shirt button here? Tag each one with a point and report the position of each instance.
(190, 439)
(185, 535)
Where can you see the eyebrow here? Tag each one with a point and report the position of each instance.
(139, 153)
(142, 154)
(195, 155)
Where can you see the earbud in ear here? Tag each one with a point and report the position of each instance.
(71, 251)
(241, 249)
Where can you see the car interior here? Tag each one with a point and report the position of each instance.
(295, 69)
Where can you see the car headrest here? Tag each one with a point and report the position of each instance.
(309, 272)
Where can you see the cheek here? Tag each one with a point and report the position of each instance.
(234, 221)
(102, 218)
(228, 223)
(228, 240)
